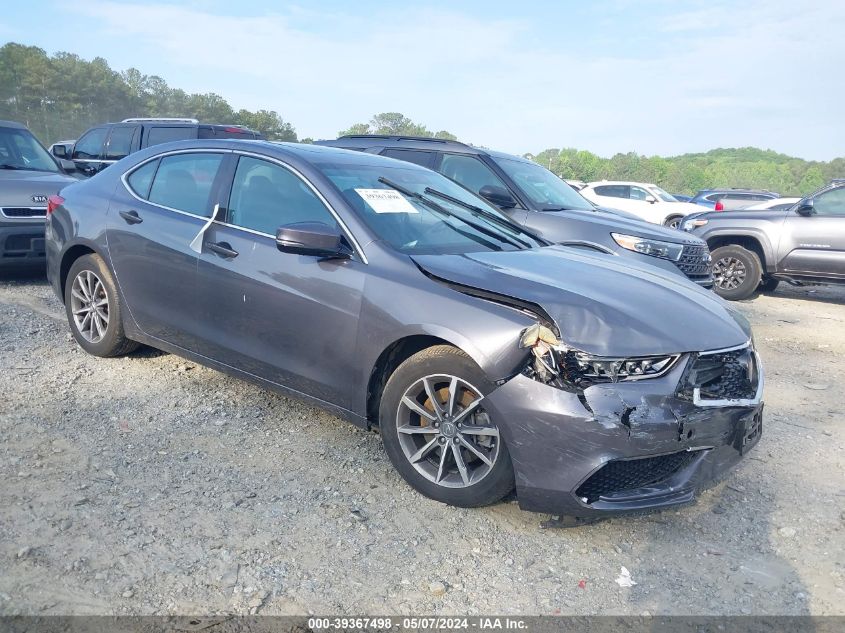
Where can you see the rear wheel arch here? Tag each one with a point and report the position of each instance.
(70, 256)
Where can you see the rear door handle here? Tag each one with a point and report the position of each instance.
(224, 249)
(131, 217)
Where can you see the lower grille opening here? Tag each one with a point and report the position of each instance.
(618, 476)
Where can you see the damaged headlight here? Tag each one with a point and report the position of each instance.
(655, 248)
(599, 369)
(553, 363)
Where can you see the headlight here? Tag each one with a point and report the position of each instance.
(595, 369)
(553, 363)
(689, 225)
(655, 248)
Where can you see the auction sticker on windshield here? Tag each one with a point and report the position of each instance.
(386, 201)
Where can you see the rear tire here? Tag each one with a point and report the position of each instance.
(94, 310)
(736, 272)
(458, 459)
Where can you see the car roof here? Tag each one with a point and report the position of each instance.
(303, 152)
(13, 124)
(365, 141)
(735, 190)
(620, 182)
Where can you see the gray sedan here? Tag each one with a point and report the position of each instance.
(396, 299)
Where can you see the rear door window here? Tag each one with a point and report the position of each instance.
(90, 146)
(612, 191)
(156, 135)
(141, 179)
(418, 157)
(184, 182)
(120, 142)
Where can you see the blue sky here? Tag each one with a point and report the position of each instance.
(651, 76)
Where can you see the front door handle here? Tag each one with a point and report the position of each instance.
(224, 249)
(131, 217)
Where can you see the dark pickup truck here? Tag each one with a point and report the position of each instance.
(755, 250)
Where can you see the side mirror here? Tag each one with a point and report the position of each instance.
(67, 165)
(499, 196)
(650, 199)
(806, 208)
(60, 151)
(311, 238)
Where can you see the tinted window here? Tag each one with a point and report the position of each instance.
(184, 181)
(120, 143)
(830, 202)
(470, 172)
(418, 157)
(265, 196)
(224, 132)
(141, 179)
(638, 193)
(158, 135)
(90, 146)
(714, 197)
(613, 191)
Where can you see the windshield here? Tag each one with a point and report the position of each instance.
(666, 197)
(409, 208)
(542, 187)
(20, 150)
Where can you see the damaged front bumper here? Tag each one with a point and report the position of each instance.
(620, 447)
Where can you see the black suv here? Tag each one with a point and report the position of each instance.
(535, 198)
(754, 250)
(105, 144)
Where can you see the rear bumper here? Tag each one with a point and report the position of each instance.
(586, 456)
(22, 244)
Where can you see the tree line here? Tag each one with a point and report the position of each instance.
(62, 95)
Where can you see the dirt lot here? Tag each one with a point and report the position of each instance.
(150, 485)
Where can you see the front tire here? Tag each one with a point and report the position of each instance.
(674, 222)
(94, 310)
(736, 272)
(769, 284)
(438, 435)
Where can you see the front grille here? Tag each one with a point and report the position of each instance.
(725, 375)
(24, 212)
(631, 474)
(695, 261)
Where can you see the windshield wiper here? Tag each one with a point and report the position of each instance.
(478, 211)
(7, 166)
(431, 204)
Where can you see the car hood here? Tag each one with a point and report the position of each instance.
(601, 304)
(18, 186)
(615, 222)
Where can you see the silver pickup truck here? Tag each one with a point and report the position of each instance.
(28, 177)
(755, 250)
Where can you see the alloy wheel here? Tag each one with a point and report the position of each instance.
(90, 306)
(445, 433)
(729, 273)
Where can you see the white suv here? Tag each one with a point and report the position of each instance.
(646, 201)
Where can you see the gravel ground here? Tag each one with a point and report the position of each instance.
(151, 485)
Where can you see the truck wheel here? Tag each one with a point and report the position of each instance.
(769, 284)
(736, 272)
